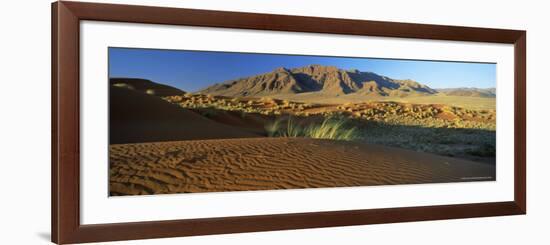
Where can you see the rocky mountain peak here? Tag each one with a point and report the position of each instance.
(325, 80)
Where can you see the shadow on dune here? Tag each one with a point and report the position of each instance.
(135, 117)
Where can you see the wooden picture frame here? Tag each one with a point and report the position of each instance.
(66, 226)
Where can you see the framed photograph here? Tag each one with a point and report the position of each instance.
(176, 122)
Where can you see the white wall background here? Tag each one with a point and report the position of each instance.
(25, 121)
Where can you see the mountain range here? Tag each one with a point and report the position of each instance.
(313, 81)
(473, 92)
(325, 80)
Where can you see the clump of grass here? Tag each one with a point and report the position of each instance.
(280, 128)
(330, 128)
(293, 129)
(273, 128)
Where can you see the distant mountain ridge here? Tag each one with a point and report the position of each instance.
(474, 92)
(315, 81)
(325, 80)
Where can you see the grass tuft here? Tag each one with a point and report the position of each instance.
(273, 128)
(330, 128)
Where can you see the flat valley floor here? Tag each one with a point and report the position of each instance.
(246, 164)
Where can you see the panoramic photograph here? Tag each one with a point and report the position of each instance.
(206, 121)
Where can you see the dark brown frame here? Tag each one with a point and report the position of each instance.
(66, 227)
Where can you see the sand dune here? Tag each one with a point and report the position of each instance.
(276, 163)
(138, 117)
(145, 86)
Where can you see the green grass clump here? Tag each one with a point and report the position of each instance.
(273, 128)
(330, 128)
(279, 128)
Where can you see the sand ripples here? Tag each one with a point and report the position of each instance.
(275, 163)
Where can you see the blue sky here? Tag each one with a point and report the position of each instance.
(194, 70)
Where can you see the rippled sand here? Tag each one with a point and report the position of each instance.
(276, 163)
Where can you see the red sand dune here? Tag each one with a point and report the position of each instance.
(139, 117)
(276, 163)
